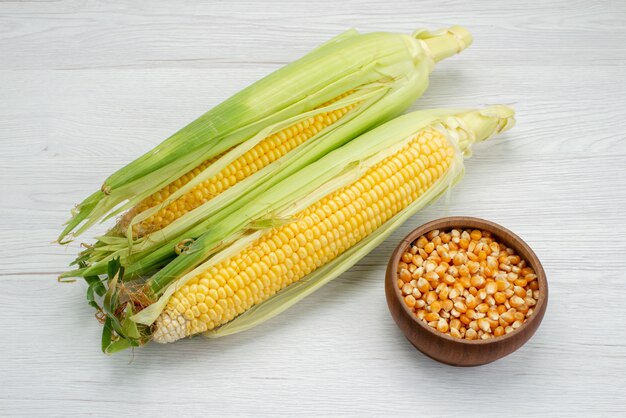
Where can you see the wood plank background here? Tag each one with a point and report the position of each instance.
(86, 86)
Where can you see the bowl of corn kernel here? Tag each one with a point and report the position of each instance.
(465, 291)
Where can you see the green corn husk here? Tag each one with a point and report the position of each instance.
(386, 73)
(280, 203)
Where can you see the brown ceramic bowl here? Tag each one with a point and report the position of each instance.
(456, 351)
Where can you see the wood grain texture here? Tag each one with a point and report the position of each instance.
(85, 86)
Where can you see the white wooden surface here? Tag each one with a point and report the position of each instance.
(86, 86)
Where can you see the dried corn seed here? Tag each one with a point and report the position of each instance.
(499, 297)
(442, 325)
(432, 296)
(432, 234)
(449, 279)
(471, 302)
(478, 281)
(466, 283)
(431, 316)
(460, 307)
(516, 301)
(507, 317)
(440, 287)
(520, 282)
(482, 308)
(454, 332)
(417, 273)
(423, 285)
(502, 284)
(435, 306)
(417, 260)
(493, 315)
(519, 291)
(483, 324)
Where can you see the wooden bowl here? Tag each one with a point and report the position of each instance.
(457, 351)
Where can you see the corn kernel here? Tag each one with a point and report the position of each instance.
(516, 301)
(499, 297)
(435, 306)
(431, 316)
(447, 305)
(466, 284)
(442, 325)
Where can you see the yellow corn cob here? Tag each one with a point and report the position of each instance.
(323, 231)
(265, 152)
(159, 197)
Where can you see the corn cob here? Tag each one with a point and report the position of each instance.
(265, 152)
(402, 166)
(343, 64)
(178, 194)
(323, 231)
